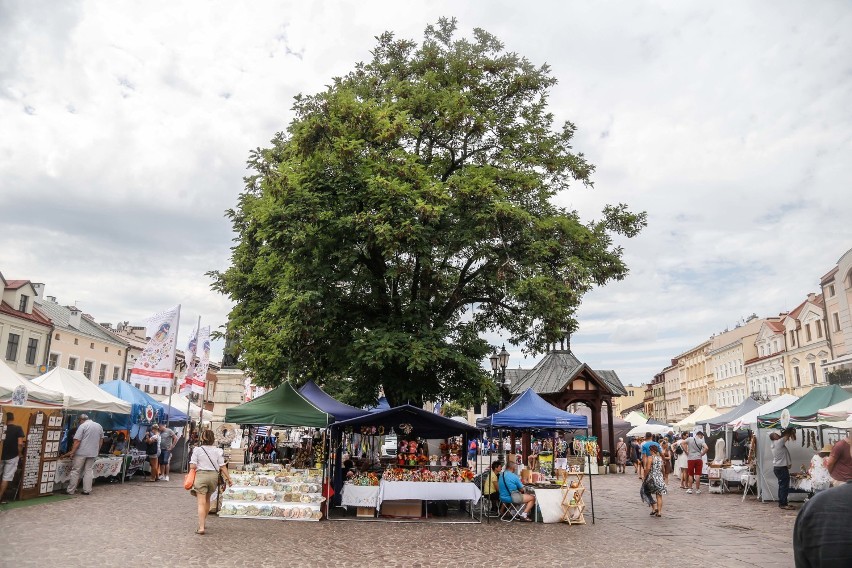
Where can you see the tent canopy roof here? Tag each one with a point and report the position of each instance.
(36, 396)
(703, 412)
(745, 406)
(807, 407)
(340, 411)
(636, 418)
(643, 429)
(282, 406)
(138, 402)
(424, 424)
(381, 404)
(837, 411)
(80, 393)
(531, 411)
(750, 417)
(180, 402)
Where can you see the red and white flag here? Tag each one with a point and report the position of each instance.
(189, 358)
(155, 366)
(196, 375)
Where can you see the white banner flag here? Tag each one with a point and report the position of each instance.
(197, 381)
(189, 358)
(155, 366)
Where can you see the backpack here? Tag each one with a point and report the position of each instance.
(679, 449)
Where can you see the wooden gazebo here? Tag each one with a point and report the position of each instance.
(561, 379)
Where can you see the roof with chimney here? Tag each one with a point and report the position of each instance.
(61, 317)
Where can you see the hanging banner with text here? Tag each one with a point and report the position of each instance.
(155, 366)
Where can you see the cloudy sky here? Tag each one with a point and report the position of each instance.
(125, 127)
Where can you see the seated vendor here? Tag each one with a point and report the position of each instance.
(120, 444)
(512, 490)
(490, 488)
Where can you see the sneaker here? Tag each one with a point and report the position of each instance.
(689, 491)
(165, 478)
(698, 492)
(87, 492)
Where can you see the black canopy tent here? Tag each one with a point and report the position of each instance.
(422, 423)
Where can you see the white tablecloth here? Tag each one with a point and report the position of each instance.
(360, 496)
(427, 491)
(734, 473)
(550, 504)
(104, 467)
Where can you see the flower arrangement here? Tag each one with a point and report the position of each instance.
(422, 460)
(365, 479)
(466, 474)
(454, 448)
(455, 458)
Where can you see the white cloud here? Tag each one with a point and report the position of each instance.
(126, 128)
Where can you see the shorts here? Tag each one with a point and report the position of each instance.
(153, 456)
(517, 497)
(9, 468)
(205, 482)
(694, 467)
(165, 457)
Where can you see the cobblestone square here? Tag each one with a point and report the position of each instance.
(138, 524)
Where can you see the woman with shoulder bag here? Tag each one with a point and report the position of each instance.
(208, 461)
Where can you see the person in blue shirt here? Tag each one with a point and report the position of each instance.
(646, 451)
(512, 490)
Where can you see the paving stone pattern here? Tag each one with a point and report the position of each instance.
(146, 524)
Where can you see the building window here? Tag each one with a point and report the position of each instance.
(102, 374)
(147, 388)
(119, 352)
(792, 339)
(53, 360)
(808, 332)
(72, 363)
(106, 349)
(76, 341)
(818, 326)
(91, 345)
(129, 372)
(822, 364)
(32, 349)
(813, 373)
(12, 347)
(798, 378)
(56, 337)
(831, 290)
(115, 372)
(22, 306)
(836, 321)
(87, 369)
(162, 390)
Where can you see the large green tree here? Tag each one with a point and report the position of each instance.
(407, 210)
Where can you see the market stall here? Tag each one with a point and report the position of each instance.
(274, 491)
(703, 412)
(415, 485)
(38, 410)
(802, 415)
(530, 412)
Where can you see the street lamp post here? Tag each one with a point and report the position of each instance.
(499, 362)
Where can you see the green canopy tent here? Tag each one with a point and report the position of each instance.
(806, 408)
(282, 406)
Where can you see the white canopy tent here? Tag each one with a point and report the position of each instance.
(703, 412)
(636, 418)
(79, 393)
(15, 390)
(839, 411)
(642, 429)
(180, 402)
(750, 419)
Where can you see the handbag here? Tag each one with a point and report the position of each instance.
(189, 479)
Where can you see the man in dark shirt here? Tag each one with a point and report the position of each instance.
(13, 444)
(822, 537)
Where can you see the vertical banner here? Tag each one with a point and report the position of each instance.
(155, 366)
(189, 357)
(197, 381)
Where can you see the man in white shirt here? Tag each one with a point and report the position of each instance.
(695, 450)
(87, 443)
(781, 463)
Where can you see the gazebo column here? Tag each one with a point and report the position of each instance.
(525, 447)
(611, 431)
(596, 422)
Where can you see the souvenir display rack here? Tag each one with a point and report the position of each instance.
(273, 492)
(573, 505)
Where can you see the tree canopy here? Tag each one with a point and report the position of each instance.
(408, 209)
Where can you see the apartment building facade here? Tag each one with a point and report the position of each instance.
(621, 405)
(808, 350)
(674, 407)
(837, 313)
(25, 330)
(78, 343)
(766, 374)
(658, 386)
(727, 356)
(695, 383)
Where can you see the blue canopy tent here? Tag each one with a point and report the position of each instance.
(381, 405)
(340, 411)
(144, 410)
(531, 412)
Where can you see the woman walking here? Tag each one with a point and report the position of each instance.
(682, 462)
(621, 455)
(654, 481)
(667, 460)
(636, 456)
(207, 461)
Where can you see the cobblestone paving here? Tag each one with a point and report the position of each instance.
(141, 524)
